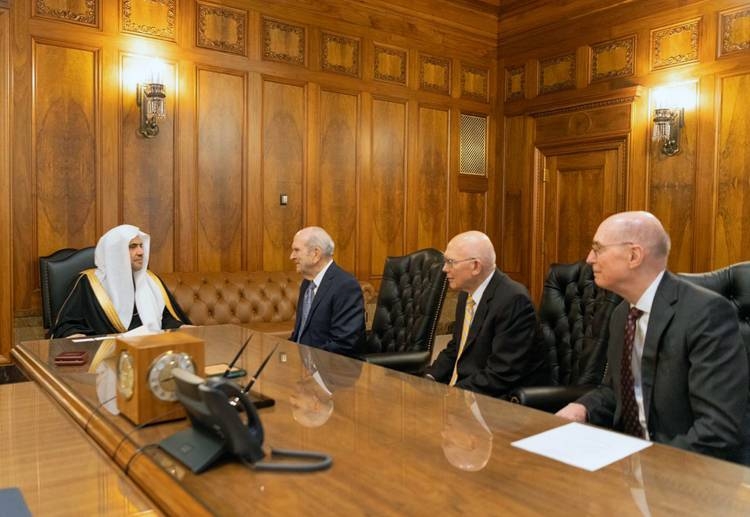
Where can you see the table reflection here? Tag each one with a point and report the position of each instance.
(467, 440)
(312, 400)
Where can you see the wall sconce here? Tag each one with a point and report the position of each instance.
(667, 125)
(150, 99)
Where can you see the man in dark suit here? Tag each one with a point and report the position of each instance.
(330, 308)
(678, 371)
(496, 343)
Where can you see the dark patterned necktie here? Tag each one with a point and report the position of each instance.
(630, 421)
(307, 300)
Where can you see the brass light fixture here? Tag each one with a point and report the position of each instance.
(667, 125)
(150, 98)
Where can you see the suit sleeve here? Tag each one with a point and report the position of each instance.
(347, 331)
(512, 348)
(442, 368)
(717, 381)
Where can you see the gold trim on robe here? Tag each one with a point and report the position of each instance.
(104, 301)
(164, 295)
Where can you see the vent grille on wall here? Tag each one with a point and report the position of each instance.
(473, 145)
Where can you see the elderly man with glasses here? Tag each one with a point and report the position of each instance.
(678, 370)
(496, 343)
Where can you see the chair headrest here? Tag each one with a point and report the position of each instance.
(57, 272)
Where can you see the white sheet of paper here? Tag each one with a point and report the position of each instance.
(582, 446)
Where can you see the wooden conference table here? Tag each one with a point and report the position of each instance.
(401, 445)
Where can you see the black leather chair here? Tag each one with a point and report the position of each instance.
(574, 317)
(732, 282)
(409, 302)
(57, 272)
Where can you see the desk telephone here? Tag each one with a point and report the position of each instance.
(215, 407)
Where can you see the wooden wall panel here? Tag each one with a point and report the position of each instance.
(148, 168)
(733, 172)
(283, 136)
(6, 229)
(428, 181)
(221, 196)
(336, 187)
(515, 257)
(387, 184)
(65, 147)
(672, 191)
(471, 211)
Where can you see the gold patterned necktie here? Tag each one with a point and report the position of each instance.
(468, 317)
(631, 424)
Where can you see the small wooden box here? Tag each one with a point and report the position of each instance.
(145, 390)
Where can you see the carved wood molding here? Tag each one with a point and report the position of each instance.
(284, 42)
(85, 13)
(221, 28)
(515, 83)
(475, 82)
(434, 74)
(614, 58)
(339, 54)
(621, 96)
(675, 45)
(390, 64)
(156, 18)
(557, 73)
(734, 28)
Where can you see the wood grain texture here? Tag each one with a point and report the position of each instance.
(733, 184)
(65, 147)
(428, 181)
(335, 189)
(60, 474)
(387, 183)
(221, 171)
(148, 172)
(6, 228)
(401, 445)
(283, 137)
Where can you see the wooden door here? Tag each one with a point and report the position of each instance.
(578, 190)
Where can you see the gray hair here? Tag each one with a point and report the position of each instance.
(317, 237)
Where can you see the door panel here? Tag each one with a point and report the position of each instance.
(579, 190)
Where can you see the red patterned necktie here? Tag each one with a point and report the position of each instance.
(630, 421)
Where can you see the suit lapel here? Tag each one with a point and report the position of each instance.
(662, 312)
(320, 293)
(481, 311)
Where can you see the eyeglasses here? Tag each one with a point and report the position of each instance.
(599, 248)
(449, 263)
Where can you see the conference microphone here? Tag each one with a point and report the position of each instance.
(234, 401)
(237, 356)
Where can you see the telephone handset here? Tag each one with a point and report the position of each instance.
(217, 428)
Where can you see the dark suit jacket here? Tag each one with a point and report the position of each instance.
(694, 371)
(336, 322)
(503, 350)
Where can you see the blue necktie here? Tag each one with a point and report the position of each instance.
(307, 300)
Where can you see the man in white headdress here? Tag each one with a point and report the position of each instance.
(121, 294)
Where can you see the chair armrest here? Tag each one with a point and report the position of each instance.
(409, 362)
(548, 398)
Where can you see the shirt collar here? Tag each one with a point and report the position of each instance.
(319, 277)
(646, 300)
(479, 291)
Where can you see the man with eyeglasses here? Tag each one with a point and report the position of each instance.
(496, 344)
(678, 370)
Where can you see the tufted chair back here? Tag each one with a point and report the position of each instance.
(411, 295)
(732, 282)
(57, 272)
(217, 298)
(574, 316)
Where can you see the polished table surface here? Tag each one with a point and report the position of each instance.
(57, 468)
(401, 445)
